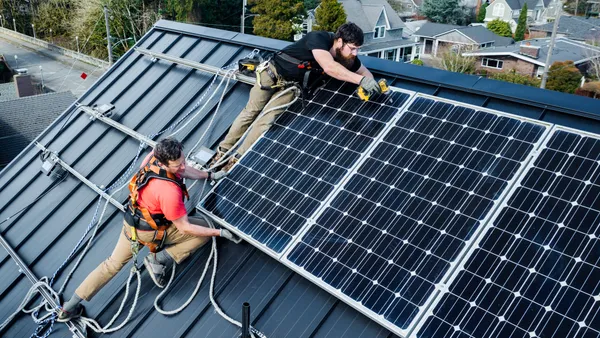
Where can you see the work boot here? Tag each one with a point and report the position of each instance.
(157, 271)
(218, 156)
(232, 161)
(65, 316)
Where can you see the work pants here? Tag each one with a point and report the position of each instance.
(178, 246)
(256, 103)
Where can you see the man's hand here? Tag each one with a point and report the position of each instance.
(370, 85)
(227, 234)
(219, 175)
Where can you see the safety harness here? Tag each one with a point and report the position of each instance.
(138, 217)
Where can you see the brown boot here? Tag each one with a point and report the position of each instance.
(232, 161)
(218, 156)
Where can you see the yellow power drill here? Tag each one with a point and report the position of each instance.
(366, 96)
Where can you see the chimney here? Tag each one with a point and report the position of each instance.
(23, 84)
(528, 50)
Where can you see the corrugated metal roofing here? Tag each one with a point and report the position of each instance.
(148, 97)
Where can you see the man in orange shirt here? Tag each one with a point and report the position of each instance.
(158, 218)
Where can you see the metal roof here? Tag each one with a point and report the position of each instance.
(148, 97)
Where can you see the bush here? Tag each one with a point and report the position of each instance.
(500, 27)
(563, 77)
(417, 62)
(513, 77)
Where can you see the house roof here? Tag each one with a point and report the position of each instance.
(478, 34)
(365, 13)
(518, 4)
(386, 45)
(564, 50)
(149, 96)
(574, 27)
(22, 119)
(8, 91)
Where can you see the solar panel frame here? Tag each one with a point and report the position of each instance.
(497, 213)
(325, 202)
(462, 256)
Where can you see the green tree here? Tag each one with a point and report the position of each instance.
(178, 9)
(522, 25)
(482, 11)
(500, 27)
(330, 15)
(275, 17)
(221, 14)
(563, 77)
(311, 4)
(55, 15)
(445, 11)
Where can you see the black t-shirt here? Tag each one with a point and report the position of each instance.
(302, 50)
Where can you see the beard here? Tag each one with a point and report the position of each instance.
(346, 61)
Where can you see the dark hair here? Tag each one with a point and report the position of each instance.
(168, 149)
(350, 33)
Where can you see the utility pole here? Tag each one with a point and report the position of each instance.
(242, 27)
(15, 24)
(558, 5)
(576, 5)
(110, 59)
(33, 28)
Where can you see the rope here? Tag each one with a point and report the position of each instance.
(46, 322)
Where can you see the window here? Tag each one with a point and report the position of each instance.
(379, 32)
(374, 54)
(492, 63)
(390, 54)
(498, 10)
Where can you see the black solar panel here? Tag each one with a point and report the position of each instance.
(401, 221)
(535, 271)
(284, 178)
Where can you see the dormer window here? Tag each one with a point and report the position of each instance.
(379, 32)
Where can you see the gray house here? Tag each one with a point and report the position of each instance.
(538, 11)
(385, 37)
(529, 57)
(572, 27)
(435, 36)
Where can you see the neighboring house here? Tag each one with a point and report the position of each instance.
(572, 27)
(538, 11)
(23, 119)
(383, 29)
(8, 91)
(529, 57)
(435, 36)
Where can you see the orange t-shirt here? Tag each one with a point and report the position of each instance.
(163, 197)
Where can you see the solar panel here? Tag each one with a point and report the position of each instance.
(293, 168)
(535, 271)
(401, 221)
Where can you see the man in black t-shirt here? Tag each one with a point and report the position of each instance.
(333, 54)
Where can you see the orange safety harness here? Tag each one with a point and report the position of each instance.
(138, 217)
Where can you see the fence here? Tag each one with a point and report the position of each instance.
(66, 52)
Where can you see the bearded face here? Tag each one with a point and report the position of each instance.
(344, 56)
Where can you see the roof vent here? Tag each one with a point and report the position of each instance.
(528, 50)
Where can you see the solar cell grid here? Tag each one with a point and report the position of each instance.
(283, 179)
(534, 273)
(399, 223)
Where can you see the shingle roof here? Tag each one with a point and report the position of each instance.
(150, 96)
(387, 44)
(365, 13)
(564, 50)
(23, 119)
(8, 91)
(574, 27)
(478, 34)
(518, 4)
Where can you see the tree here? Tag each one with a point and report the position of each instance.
(522, 25)
(563, 77)
(455, 62)
(500, 27)
(311, 4)
(482, 12)
(330, 16)
(445, 11)
(275, 17)
(398, 5)
(221, 14)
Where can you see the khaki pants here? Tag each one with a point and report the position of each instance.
(257, 101)
(179, 248)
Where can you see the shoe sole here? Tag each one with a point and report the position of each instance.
(64, 320)
(152, 274)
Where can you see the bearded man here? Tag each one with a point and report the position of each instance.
(302, 62)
